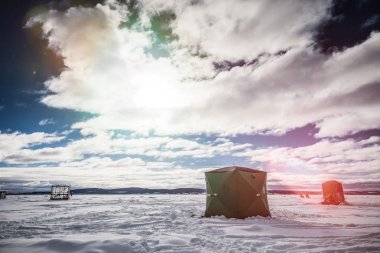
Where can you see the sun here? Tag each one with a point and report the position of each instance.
(159, 89)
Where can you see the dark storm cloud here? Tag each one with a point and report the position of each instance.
(351, 23)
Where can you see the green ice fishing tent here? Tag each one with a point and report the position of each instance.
(236, 192)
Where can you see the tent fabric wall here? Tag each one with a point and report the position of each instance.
(236, 192)
(332, 193)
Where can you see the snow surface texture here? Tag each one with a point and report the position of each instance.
(172, 223)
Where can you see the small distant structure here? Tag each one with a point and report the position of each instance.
(307, 196)
(60, 192)
(236, 192)
(332, 193)
(301, 196)
(3, 194)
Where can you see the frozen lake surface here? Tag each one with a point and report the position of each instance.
(172, 223)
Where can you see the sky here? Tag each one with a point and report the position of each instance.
(154, 93)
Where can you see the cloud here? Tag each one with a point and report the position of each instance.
(106, 173)
(370, 21)
(109, 144)
(44, 122)
(12, 143)
(348, 161)
(109, 159)
(234, 30)
(111, 72)
(161, 78)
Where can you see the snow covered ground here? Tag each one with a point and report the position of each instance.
(172, 223)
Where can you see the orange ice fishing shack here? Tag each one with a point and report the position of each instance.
(332, 193)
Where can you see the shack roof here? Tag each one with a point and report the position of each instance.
(233, 168)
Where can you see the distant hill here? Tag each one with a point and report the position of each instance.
(137, 190)
(295, 192)
(132, 190)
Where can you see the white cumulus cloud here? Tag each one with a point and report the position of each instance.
(110, 72)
